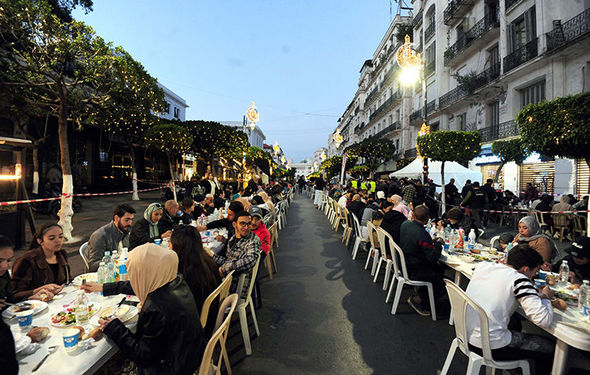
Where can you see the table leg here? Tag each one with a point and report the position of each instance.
(560, 358)
(457, 281)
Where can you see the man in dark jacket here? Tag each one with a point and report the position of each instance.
(357, 207)
(457, 219)
(477, 200)
(490, 193)
(170, 217)
(234, 208)
(392, 221)
(422, 255)
(578, 260)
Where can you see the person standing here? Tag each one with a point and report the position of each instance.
(490, 193)
(409, 192)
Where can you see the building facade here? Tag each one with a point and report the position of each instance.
(256, 137)
(176, 105)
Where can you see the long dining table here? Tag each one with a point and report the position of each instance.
(89, 357)
(569, 327)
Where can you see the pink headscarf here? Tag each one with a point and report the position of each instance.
(399, 205)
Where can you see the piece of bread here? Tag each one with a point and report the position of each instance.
(96, 334)
(81, 334)
(560, 304)
(476, 251)
(38, 334)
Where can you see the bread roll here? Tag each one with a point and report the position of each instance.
(96, 334)
(559, 304)
(81, 334)
(38, 334)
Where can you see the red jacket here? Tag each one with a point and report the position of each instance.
(264, 236)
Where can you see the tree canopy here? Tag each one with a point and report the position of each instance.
(509, 150)
(373, 151)
(332, 166)
(212, 139)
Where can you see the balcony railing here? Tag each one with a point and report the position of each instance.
(388, 129)
(431, 106)
(503, 130)
(371, 95)
(520, 56)
(487, 76)
(417, 19)
(452, 96)
(484, 25)
(415, 115)
(456, 9)
(411, 153)
(385, 106)
(429, 32)
(509, 3)
(569, 31)
(430, 67)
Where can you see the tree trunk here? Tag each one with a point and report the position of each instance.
(172, 185)
(135, 196)
(36, 169)
(442, 179)
(497, 177)
(66, 212)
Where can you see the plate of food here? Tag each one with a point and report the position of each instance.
(123, 313)
(35, 305)
(88, 276)
(67, 317)
(569, 296)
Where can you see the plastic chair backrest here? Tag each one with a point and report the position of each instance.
(253, 272)
(219, 335)
(82, 252)
(222, 290)
(372, 229)
(398, 258)
(357, 226)
(459, 304)
(493, 240)
(273, 233)
(346, 215)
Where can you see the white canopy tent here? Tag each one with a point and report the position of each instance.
(452, 170)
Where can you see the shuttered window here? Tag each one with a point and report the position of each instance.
(541, 175)
(582, 174)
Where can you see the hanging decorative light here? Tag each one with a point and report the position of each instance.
(338, 139)
(253, 116)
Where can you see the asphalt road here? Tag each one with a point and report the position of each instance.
(323, 314)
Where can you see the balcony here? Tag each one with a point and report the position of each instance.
(503, 130)
(371, 95)
(430, 67)
(411, 153)
(520, 56)
(389, 129)
(456, 9)
(385, 106)
(415, 115)
(429, 32)
(417, 20)
(452, 96)
(431, 107)
(471, 36)
(569, 32)
(509, 3)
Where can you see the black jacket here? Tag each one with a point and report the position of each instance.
(392, 221)
(357, 208)
(8, 362)
(140, 234)
(169, 338)
(167, 222)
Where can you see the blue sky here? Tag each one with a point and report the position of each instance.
(298, 60)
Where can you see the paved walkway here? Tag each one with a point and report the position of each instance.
(322, 314)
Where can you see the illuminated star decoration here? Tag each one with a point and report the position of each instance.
(323, 156)
(276, 147)
(338, 139)
(406, 56)
(252, 114)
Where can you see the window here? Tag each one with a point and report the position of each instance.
(494, 113)
(167, 109)
(532, 94)
(494, 54)
(462, 121)
(522, 30)
(397, 145)
(176, 112)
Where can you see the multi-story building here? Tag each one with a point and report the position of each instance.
(303, 168)
(317, 155)
(256, 137)
(484, 61)
(177, 106)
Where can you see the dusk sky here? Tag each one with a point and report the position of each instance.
(299, 60)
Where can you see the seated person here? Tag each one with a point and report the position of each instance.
(205, 206)
(581, 204)
(187, 208)
(146, 229)
(257, 201)
(499, 289)
(392, 221)
(503, 241)
(529, 232)
(258, 228)
(578, 260)
(422, 256)
(267, 200)
(111, 236)
(457, 219)
(44, 267)
(6, 259)
(234, 208)
(170, 218)
(243, 249)
(169, 338)
(356, 207)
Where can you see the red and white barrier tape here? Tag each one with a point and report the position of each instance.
(526, 211)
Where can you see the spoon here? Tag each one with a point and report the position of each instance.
(52, 350)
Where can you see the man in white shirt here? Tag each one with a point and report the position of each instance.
(499, 289)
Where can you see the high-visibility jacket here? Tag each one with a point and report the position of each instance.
(363, 185)
(354, 184)
(373, 185)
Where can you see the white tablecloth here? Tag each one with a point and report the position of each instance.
(60, 362)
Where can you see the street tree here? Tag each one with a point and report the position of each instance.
(62, 68)
(509, 150)
(449, 145)
(256, 157)
(171, 139)
(373, 151)
(333, 166)
(560, 127)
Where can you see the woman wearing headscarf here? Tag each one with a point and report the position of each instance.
(264, 195)
(169, 338)
(529, 232)
(400, 205)
(146, 229)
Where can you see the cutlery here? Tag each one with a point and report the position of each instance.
(117, 308)
(52, 350)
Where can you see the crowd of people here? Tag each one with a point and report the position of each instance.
(171, 285)
(404, 208)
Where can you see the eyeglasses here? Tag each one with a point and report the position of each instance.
(244, 223)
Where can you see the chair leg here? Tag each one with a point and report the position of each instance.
(432, 301)
(449, 358)
(244, 327)
(369, 256)
(252, 310)
(490, 370)
(398, 294)
(348, 235)
(526, 370)
(375, 261)
(387, 274)
(391, 285)
(357, 244)
(377, 269)
(473, 366)
(274, 261)
(268, 266)
(225, 356)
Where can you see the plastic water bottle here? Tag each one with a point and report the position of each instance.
(472, 236)
(123, 268)
(564, 273)
(100, 276)
(447, 231)
(107, 257)
(116, 265)
(165, 243)
(202, 220)
(583, 297)
(110, 271)
(81, 311)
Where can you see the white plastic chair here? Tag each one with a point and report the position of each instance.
(384, 237)
(244, 303)
(82, 252)
(459, 303)
(358, 236)
(400, 273)
(493, 241)
(373, 251)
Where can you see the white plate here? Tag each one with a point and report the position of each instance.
(38, 306)
(131, 313)
(88, 276)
